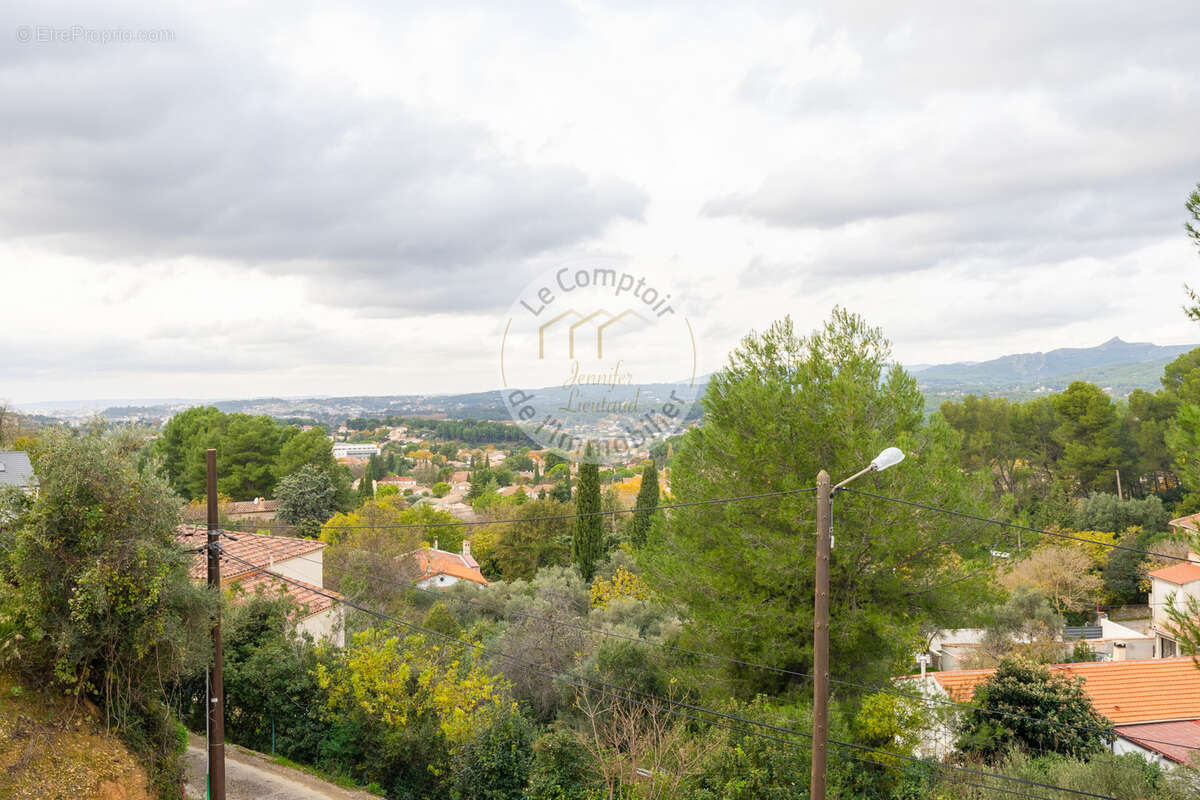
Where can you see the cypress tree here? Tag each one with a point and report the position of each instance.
(366, 486)
(647, 498)
(589, 531)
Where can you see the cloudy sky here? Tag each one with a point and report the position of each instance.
(303, 200)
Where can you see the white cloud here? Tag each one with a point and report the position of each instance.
(355, 195)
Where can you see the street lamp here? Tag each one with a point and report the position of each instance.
(820, 727)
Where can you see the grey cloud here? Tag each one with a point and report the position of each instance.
(1026, 133)
(188, 149)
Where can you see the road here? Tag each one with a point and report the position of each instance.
(251, 776)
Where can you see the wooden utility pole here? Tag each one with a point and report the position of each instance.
(1119, 495)
(216, 688)
(820, 725)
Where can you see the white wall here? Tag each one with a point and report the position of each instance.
(438, 581)
(308, 568)
(1121, 746)
(1160, 590)
(329, 624)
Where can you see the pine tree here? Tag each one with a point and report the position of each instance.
(647, 498)
(589, 531)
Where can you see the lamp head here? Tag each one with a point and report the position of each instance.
(888, 458)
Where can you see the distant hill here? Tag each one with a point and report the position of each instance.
(1117, 366)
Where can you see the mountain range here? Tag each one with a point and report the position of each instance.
(1117, 366)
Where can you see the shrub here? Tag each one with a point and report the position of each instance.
(1032, 691)
(494, 765)
(561, 768)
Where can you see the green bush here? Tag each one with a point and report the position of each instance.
(561, 769)
(495, 764)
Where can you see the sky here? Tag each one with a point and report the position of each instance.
(213, 201)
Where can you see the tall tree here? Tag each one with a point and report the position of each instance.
(588, 545)
(1089, 431)
(95, 598)
(785, 407)
(647, 498)
(1193, 231)
(307, 498)
(366, 484)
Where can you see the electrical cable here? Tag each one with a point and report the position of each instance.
(470, 523)
(699, 709)
(735, 661)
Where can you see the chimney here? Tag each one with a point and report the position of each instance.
(466, 548)
(435, 544)
(1118, 651)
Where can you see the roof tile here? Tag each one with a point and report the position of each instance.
(1152, 690)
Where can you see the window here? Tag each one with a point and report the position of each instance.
(1166, 647)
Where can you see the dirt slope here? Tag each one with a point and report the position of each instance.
(51, 751)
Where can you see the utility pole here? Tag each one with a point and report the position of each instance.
(820, 725)
(1119, 496)
(216, 688)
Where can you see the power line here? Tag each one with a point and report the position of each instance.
(1015, 526)
(927, 699)
(670, 702)
(469, 523)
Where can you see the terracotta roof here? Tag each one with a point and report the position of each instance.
(1185, 738)
(310, 599)
(430, 562)
(1178, 574)
(252, 506)
(398, 479)
(1152, 690)
(256, 548)
(1189, 522)
(199, 513)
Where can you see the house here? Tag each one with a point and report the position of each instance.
(1112, 641)
(17, 470)
(1188, 525)
(431, 568)
(249, 559)
(354, 450)
(401, 482)
(257, 510)
(1144, 699)
(1180, 582)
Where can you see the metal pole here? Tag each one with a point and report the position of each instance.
(216, 700)
(820, 728)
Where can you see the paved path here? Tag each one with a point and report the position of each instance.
(251, 776)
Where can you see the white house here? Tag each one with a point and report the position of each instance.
(1153, 699)
(17, 470)
(1180, 582)
(431, 568)
(252, 556)
(354, 450)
